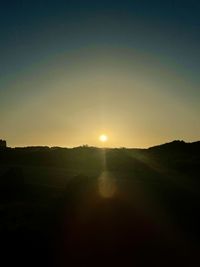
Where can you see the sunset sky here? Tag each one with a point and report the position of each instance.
(73, 70)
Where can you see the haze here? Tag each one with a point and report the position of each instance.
(70, 71)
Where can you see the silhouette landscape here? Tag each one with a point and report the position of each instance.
(100, 133)
(77, 206)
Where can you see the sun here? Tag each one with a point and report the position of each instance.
(103, 138)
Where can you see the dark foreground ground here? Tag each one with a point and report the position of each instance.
(91, 207)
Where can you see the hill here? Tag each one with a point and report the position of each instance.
(65, 207)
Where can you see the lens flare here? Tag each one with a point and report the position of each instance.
(107, 185)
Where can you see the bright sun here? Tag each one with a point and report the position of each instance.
(103, 138)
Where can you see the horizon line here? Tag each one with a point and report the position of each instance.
(98, 147)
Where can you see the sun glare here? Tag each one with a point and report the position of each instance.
(103, 138)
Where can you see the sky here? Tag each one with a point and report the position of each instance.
(72, 70)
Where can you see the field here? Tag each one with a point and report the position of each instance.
(100, 207)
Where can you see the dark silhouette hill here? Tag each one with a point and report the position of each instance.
(89, 206)
(177, 147)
